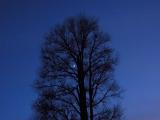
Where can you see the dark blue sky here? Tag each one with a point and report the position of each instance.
(134, 26)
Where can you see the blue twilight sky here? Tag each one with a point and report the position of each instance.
(134, 26)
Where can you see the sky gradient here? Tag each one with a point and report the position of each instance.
(134, 27)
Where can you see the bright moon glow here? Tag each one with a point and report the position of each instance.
(74, 66)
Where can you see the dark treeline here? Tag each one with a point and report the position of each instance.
(75, 80)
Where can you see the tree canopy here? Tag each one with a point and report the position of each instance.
(76, 80)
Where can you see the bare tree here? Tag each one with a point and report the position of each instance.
(76, 78)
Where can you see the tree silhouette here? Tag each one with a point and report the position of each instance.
(76, 78)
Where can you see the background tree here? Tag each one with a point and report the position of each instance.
(76, 78)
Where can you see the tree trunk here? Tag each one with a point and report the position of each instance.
(83, 106)
(82, 90)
